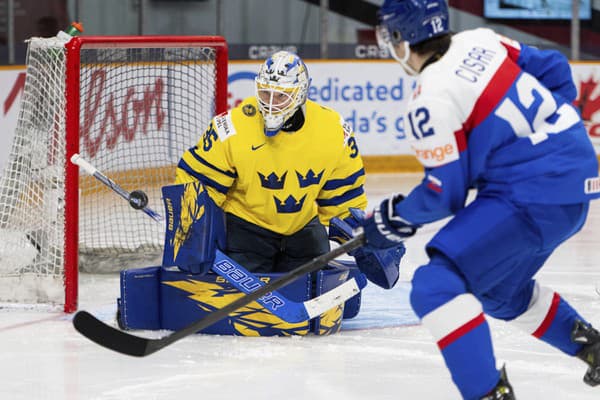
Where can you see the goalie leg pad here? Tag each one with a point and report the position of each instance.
(187, 298)
(177, 299)
(352, 305)
(138, 305)
(195, 228)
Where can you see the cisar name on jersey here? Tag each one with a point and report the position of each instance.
(475, 64)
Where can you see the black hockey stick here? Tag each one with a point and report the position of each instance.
(126, 343)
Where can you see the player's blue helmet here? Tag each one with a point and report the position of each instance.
(413, 21)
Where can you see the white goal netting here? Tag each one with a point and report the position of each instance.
(140, 107)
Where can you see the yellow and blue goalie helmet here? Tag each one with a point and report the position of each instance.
(281, 88)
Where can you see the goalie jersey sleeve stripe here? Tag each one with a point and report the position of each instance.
(202, 178)
(333, 184)
(201, 160)
(341, 199)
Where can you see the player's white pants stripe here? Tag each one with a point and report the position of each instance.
(540, 313)
(452, 320)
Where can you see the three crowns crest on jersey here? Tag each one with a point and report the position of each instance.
(272, 181)
(290, 205)
(310, 179)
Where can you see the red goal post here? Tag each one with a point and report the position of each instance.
(130, 105)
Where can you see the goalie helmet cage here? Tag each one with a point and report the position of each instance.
(131, 105)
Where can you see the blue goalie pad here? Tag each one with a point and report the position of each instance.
(166, 298)
(138, 306)
(195, 228)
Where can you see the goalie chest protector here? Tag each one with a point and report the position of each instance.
(157, 298)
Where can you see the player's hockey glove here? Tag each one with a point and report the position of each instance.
(380, 266)
(383, 229)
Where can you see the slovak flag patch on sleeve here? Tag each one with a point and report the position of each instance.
(434, 183)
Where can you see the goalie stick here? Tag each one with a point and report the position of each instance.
(126, 343)
(243, 280)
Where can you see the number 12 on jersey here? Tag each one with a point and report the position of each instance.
(534, 113)
(419, 123)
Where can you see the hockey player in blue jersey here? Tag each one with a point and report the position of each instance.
(494, 115)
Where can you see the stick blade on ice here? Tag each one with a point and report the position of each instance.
(109, 337)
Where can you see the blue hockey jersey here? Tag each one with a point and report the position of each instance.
(496, 115)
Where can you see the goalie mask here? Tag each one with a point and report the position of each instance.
(281, 89)
(410, 22)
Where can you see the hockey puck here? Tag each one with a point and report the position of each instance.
(138, 199)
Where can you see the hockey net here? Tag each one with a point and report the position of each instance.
(129, 105)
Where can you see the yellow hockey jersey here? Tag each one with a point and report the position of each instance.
(281, 182)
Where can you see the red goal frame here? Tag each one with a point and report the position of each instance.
(72, 122)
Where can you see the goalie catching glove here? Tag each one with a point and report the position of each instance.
(380, 266)
(195, 228)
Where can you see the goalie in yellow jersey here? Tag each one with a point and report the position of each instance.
(281, 167)
(256, 194)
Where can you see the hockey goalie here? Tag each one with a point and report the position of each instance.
(252, 201)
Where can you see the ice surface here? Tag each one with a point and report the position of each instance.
(381, 354)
